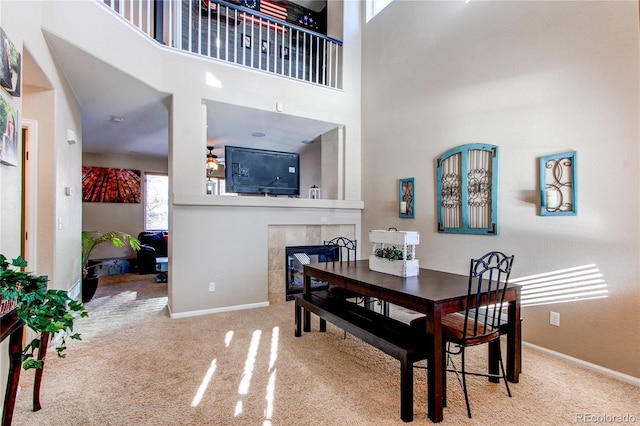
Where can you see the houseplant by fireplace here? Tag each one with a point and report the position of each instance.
(90, 240)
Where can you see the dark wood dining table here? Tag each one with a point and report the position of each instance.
(433, 293)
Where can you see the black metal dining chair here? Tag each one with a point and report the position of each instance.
(480, 322)
(339, 249)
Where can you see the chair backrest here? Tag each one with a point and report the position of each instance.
(341, 248)
(488, 280)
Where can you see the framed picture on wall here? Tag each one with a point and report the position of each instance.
(558, 184)
(9, 129)
(10, 65)
(407, 200)
(110, 185)
(284, 52)
(246, 41)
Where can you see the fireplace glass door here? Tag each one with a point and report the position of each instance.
(296, 258)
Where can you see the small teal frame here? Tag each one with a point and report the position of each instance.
(407, 193)
(559, 185)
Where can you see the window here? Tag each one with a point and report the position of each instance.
(468, 189)
(374, 7)
(156, 201)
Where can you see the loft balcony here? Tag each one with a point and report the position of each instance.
(231, 33)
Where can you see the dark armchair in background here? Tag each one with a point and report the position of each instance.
(153, 244)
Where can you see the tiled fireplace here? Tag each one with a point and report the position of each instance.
(283, 236)
(295, 259)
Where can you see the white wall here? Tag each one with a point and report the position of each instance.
(47, 100)
(182, 76)
(310, 173)
(228, 245)
(533, 78)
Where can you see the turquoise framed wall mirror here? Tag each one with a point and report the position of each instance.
(558, 185)
(467, 190)
(407, 198)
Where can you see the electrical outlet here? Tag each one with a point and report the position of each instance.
(554, 318)
(212, 286)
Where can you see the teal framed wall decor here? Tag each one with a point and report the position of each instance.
(407, 198)
(467, 190)
(558, 185)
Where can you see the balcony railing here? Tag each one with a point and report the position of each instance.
(230, 33)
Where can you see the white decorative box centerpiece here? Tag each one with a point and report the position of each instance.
(394, 252)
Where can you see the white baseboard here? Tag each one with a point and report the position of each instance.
(216, 310)
(74, 291)
(594, 367)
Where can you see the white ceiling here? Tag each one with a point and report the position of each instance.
(104, 91)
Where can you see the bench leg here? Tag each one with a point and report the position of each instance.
(298, 316)
(406, 390)
(307, 321)
(323, 324)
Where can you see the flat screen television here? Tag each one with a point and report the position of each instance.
(259, 171)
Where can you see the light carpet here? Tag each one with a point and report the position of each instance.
(136, 366)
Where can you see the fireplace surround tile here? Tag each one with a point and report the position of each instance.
(282, 236)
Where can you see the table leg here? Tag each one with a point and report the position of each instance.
(298, 316)
(514, 341)
(306, 324)
(306, 290)
(15, 363)
(406, 390)
(42, 352)
(435, 366)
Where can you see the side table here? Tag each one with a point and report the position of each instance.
(12, 327)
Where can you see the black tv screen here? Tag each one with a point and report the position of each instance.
(259, 171)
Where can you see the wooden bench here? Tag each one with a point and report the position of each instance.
(400, 340)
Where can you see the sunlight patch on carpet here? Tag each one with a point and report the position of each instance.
(275, 335)
(245, 383)
(227, 338)
(270, 396)
(271, 384)
(205, 383)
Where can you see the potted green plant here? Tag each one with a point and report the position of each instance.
(90, 240)
(42, 310)
(391, 253)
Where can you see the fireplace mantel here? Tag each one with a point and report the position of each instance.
(258, 201)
